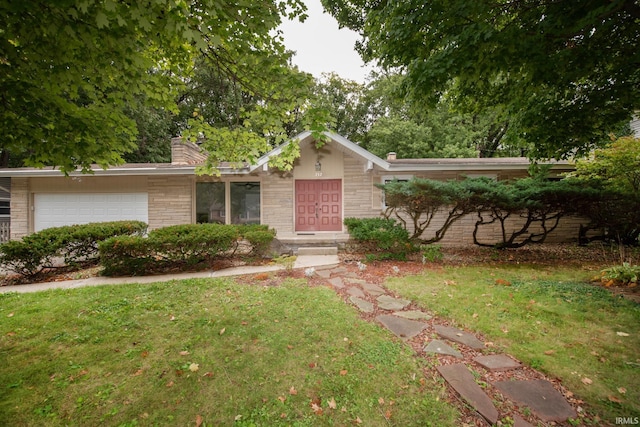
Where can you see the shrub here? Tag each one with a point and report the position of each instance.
(75, 244)
(167, 248)
(125, 255)
(381, 238)
(192, 243)
(625, 274)
(431, 253)
(260, 240)
(421, 199)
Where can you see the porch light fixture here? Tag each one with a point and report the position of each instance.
(318, 166)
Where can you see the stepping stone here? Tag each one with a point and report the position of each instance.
(338, 270)
(459, 336)
(461, 379)
(356, 281)
(337, 282)
(519, 422)
(387, 302)
(413, 315)
(325, 274)
(403, 328)
(351, 275)
(497, 362)
(441, 347)
(373, 289)
(356, 292)
(539, 395)
(364, 306)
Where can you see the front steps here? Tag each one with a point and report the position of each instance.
(317, 250)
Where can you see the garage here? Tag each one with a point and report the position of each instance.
(55, 210)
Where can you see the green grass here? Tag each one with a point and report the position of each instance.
(552, 319)
(213, 350)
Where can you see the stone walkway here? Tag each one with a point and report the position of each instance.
(470, 366)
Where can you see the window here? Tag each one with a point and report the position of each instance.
(245, 202)
(388, 179)
(228, 202)
(5, 210)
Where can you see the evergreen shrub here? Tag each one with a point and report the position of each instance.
(380, 238)
(67, 246)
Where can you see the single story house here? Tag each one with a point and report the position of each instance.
(306, 205)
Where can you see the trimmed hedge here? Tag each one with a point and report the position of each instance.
(380, 238)
(67, 246)
(259, 237)
(178, 246)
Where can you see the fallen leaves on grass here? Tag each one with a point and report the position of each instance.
(332, 403)
(586, 381)
(194, 367)
(317, 409)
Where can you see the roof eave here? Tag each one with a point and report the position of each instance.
(117, 171)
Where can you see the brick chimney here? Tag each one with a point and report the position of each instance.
(391, 155)
(185, 152)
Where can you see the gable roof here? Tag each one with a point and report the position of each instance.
(343, 143)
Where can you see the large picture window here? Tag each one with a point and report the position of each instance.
(210, 202)
(228, 202)
(245, 202)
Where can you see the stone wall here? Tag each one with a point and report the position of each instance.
(19, 207)
(278, 203)
(170, 200)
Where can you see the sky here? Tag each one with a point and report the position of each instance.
(321, 46)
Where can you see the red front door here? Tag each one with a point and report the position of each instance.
(319, 205)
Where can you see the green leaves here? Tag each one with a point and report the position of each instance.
(564, 73)
(69, 72)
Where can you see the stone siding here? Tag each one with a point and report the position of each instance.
(357, 189)
(170, 200)
(277, 203)
(19, 207)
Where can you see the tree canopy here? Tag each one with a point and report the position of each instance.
(565, 73)
(71, 71)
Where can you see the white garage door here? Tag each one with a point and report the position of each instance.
(54, 210)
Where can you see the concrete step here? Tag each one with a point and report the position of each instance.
(317, 250)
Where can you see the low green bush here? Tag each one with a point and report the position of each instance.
(380, 238)
(259, 237)
(125, 255)
(179, 245)
(431, 253)
(625, 274)
(192, 243)
(67, 246)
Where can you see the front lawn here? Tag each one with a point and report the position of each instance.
(550, 318)
(206, 352)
